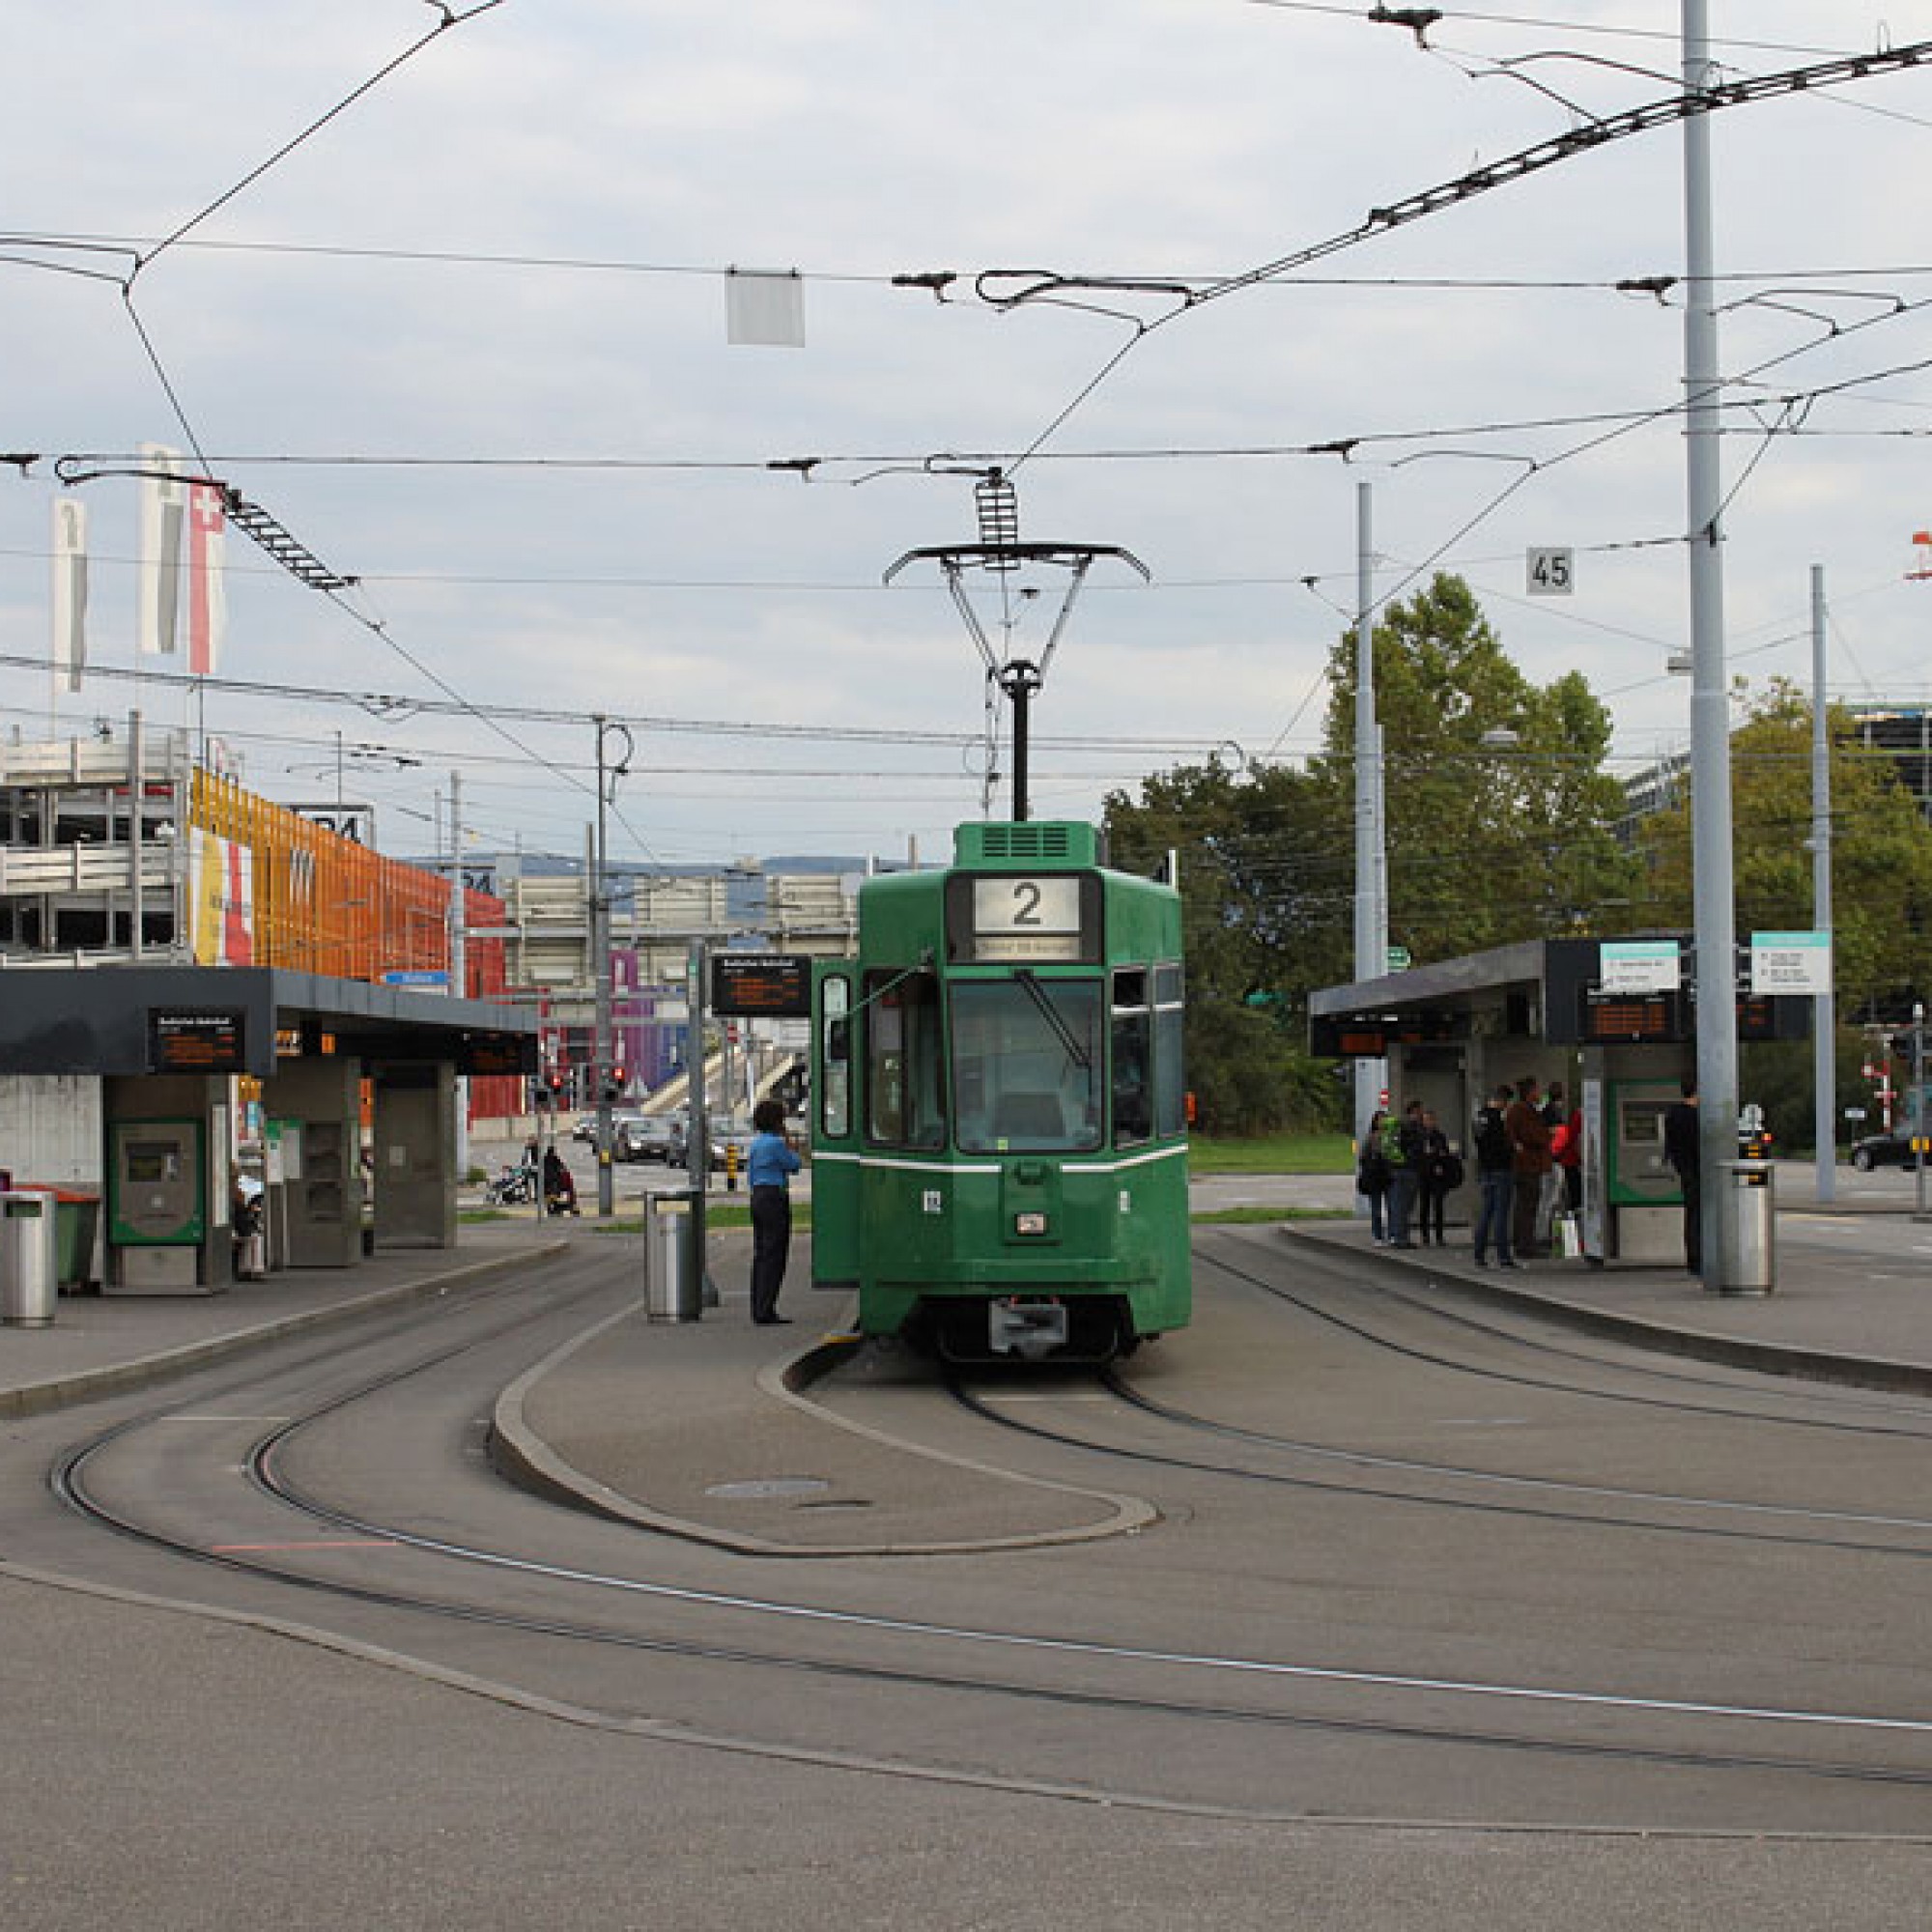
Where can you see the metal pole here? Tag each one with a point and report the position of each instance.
(459, 961)
(1919, 1123)
(1824, 1016)
(698, 1137)
(600, 966)
(1370, 905)
(1019, 680)
(137, 793)
(1713, 916)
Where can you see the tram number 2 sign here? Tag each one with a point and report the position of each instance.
(1552, 573)
(1027, 918)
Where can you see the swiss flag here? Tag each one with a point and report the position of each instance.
(206, 599)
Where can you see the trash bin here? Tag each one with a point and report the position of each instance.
(29, 1286)
(77, 1219)
(1750, 1201)
(673, 1268)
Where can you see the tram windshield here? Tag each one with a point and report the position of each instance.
(1028, 1060)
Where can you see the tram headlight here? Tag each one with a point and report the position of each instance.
(1031, 1223)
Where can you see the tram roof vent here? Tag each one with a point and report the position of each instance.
(1035, 842)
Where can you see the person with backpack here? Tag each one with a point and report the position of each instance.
(1495, 1180)
(1372, 1177)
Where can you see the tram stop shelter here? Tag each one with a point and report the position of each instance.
(124, 1078)
(1453, 1031)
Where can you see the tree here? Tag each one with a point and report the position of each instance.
(1486, 843)
(1881, 852)
(1500, 818)
(1249, 933)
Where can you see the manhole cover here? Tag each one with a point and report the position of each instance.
(768, 1486)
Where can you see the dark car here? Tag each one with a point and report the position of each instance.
(649, 1137)
(1882, 1151)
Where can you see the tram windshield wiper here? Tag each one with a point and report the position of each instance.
(1051, 1014)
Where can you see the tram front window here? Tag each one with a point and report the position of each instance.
(1027, 1064)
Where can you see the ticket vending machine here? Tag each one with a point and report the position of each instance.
(157, 1216)
(1642, 1191)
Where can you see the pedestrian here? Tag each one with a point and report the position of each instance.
(1403, 1146)
(1496, 1180)
(1441, 1176)
(1566, 1148)
(768, 1171)
(1529, 1142)
(559, 1184)
(1550, 1199)
(1372, 1177)
(1682, 1128)
(244, 1220)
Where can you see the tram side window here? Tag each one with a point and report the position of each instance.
(1133, 1057)
(835, 1056)
(905, 1086)
(1170, 1071)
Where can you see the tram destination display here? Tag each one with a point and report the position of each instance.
(1023, 920)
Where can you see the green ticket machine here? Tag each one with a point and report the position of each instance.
(156, 1206)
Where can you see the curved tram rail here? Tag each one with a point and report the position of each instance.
(1088, 1678)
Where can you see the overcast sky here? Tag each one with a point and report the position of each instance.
(467, 343)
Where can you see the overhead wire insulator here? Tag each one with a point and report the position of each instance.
(999, 506)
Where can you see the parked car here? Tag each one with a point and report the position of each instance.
(729, 1131)
(584, 1130)
(649, 1137)
(1882, 1151)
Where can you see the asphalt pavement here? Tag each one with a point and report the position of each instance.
(698, 1427)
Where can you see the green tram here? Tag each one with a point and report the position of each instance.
(998, 1128)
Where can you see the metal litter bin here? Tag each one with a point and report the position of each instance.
(1750, 1201)
(673, 1268)
(29, 1279)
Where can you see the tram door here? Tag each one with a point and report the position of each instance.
(835, 1125)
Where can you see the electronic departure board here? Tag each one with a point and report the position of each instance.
(762, 985)
(180, 1042)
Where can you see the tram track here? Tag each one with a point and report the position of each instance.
(266, 1475)
(1775, 1404)
(1189, 1422)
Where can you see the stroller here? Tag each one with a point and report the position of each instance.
(513, 1186)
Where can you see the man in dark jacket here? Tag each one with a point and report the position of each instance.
(1682, 1127)
(1530, 1138)
(1496, 1180)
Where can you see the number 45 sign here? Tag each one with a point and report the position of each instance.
(1552, 573)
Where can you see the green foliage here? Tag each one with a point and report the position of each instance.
(1493, 841)
(1881, 852)
(1486, 844)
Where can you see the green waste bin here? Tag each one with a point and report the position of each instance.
(76, 1222)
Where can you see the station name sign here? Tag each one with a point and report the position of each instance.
(762, 985)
